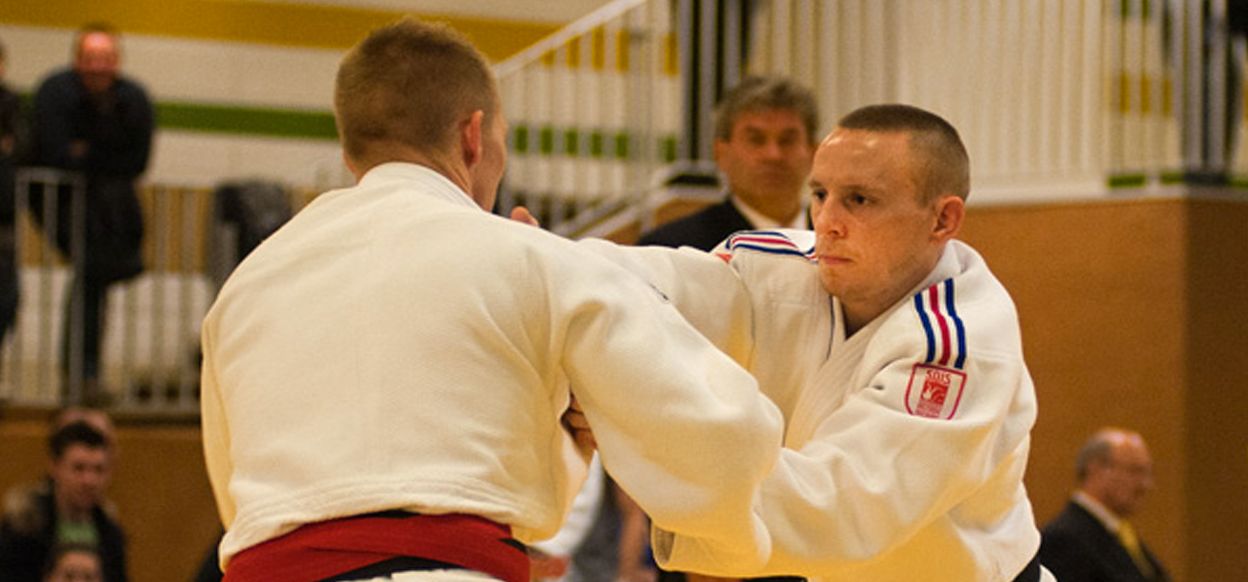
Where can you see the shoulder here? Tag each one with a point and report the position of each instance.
(106, 519)
(776, 266)
(129, 88)
(26, 508)
(953, 348)
(1070, 540)
(968, 313)
(703, 229)
(1073, 521)
(60, 79)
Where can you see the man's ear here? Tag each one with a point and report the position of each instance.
(470, 137)
(950, 210)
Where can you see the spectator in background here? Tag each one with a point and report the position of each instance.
(764, 145)
(1091, 540)
(92, 120)
(67, 507)
(765, 131)
(10, 109)
(74, 563)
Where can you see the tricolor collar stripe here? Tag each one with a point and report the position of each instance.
(773, 250)
(934, 300)
(957, 322)
(943, 328)
(768, 242)
(927, 328)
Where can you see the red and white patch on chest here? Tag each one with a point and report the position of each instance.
(934, 391)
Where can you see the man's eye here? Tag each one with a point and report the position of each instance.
(819, 194)
(856, 200)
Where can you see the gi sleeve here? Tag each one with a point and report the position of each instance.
(681, 428)
(706, 291)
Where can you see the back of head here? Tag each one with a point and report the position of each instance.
(404, 88)
(942, 157)
(756, 93)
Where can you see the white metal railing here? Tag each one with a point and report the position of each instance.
(149, 358)
(594, 112)
(1054, 98)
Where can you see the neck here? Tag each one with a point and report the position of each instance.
(456, 173)
(68, 511)
(781, 209)
(861, 311)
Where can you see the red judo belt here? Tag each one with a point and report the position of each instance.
(329, 548)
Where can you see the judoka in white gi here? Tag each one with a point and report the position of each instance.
(895, 356)
(395, 347)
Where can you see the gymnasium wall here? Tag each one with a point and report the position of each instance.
(242, 88)
(1134, 314)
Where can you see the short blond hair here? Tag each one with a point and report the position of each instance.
(406, 85)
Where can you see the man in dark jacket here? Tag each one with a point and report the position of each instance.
(66, 508)
(765, 129)
(1092, 540)
(90, 120)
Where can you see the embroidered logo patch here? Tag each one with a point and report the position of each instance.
(934, 392)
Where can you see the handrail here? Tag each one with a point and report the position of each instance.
(578, 27)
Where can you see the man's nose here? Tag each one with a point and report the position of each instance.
(772, 149)
(826, 219)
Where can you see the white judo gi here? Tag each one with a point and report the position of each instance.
(905, 443)
(395, 347)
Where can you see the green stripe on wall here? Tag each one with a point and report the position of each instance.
(231, 119)
(1127, 180)
(284, 24)
(246, 121)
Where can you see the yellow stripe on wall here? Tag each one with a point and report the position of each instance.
(299, 25)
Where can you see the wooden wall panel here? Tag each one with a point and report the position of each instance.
(1217, 415)
(1100, 294)
(1135, 313)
